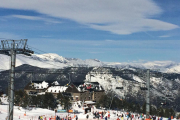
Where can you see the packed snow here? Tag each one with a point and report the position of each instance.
(33, 113)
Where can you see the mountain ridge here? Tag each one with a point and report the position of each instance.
(52, 60)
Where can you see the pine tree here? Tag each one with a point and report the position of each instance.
(144, 108)
(40, 100)
(17, 100)
(161, 111)
(25, 100)
(153, 110)
(138, 108)
(171, 112)
(104, 101)
(125, 104)
(67, 103)
(49, 101)
(60, 98)
(21, 98)
(34, 100)
(166, 113)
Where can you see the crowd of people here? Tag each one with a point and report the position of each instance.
(57, 118)
(129, 116)
(106, 115)
(126, 116)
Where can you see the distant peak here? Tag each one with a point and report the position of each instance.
(50, 54)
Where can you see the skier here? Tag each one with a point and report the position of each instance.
(87, 116)
(106, 118)
(154, 117)
(102, 113)
(161, 118)
(169, 118)
(76, 117)
(109, 115)
(138, 116)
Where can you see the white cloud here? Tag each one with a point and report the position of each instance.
(164, 36)
(116, 16)
(6, 35)
(34, 18)
(96, 52)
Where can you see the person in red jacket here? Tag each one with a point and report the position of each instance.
(109, 115)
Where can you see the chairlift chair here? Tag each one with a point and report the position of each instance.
(143, 86)
(119, 88)
(168, 95)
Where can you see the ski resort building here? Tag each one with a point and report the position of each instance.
(55, 89)
(35, 87)
(83, 91)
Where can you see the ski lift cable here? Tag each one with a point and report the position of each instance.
(40, 51)
(42, 54)
(37, 49)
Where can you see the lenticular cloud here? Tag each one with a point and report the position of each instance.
(115, 16)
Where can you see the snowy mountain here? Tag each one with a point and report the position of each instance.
(164, 87)
(161, 84)
(52, 67)
(51, 60)
(48, 61)
(163, 66)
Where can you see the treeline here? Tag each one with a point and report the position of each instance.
(114, 103)
(106, 101)
(43, 101)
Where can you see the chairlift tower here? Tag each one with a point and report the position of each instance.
(11, 48)
(148, 95)
(146, 87)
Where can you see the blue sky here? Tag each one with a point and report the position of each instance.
(108, 30)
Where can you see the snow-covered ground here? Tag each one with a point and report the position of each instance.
(20, 113)
(33, 114)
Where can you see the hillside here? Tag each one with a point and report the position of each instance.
(161, 84)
